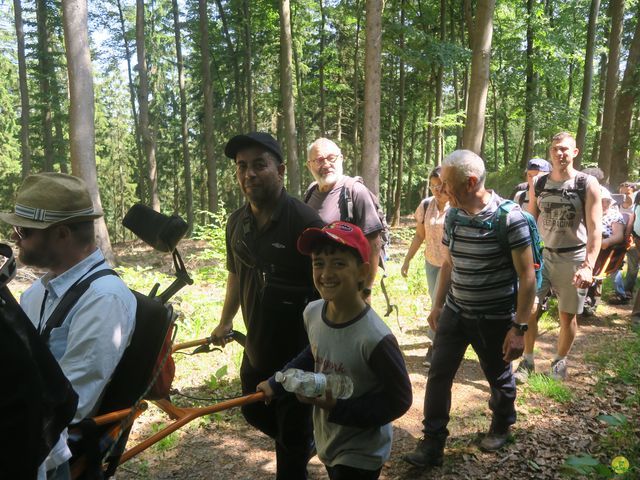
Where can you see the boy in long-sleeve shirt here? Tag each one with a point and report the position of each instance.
(353, 436)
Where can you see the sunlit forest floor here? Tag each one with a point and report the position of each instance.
(588, 421)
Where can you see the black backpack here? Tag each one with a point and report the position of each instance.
(579, 186)
(37, 399)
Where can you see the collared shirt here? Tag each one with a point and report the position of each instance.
(275, 279)
(91, 340)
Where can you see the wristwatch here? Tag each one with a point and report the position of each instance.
(521, 327)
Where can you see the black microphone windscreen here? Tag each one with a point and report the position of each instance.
(156, 229)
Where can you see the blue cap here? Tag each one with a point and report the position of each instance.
(539, 164)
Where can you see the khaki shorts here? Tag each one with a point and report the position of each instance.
(557, 273)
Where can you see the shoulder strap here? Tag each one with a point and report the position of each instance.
(425, 204)
(539, 186)
(501, 225)
(580, 184)
(346, 198)
(309, 192)
(69, 300)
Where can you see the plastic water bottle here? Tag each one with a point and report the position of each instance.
(311, 384)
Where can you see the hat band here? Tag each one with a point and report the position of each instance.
(49, 216)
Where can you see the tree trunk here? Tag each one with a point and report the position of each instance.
(357, 165)
(302, 144)
(143, 101)
(236, 68)
(371, 124)
(438, 133)
(587, 80)
(186, 157)
(595, 151)
(81, 111)
(25, 151)
(395, 219)
(530, 92)
(45, 71)
(412, 161)
(479, 86)
(323, 125)
(286, 92)
(624, 111)
(428, 141)
(207, 89)
(616, 13)
(505, 140)
(247, 64)
(134, 113)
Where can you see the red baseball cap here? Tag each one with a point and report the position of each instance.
(339, 232)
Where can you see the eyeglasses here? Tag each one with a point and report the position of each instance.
(22, 232)
(436, 188)
(333, 158)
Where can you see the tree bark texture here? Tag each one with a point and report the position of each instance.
(184, 127)
(395, 219)
(81, 114)
(587, 81)
(45, 68)
(530, 92)
(616, 14)
(286, 92)
(479, 85)
(148, 139)
(208, 128)
(372, 92)
(25, 150)
(625, 103)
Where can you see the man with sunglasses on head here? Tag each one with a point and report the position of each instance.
(339, 197)
(53, 229)
(271, 282)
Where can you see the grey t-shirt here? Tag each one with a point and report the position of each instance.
(561, 220)
(327, 204)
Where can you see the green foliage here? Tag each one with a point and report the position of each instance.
(212, 231)
(167, 442)
(549, 387)
(617, 365)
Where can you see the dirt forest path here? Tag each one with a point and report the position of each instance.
(224, 447)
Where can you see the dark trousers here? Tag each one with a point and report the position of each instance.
(453, 336)
(285, 419)
(344, 472)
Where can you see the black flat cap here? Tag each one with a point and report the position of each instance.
(262, 139)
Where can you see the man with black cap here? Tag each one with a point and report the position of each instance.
(53, 229)
(271, 282)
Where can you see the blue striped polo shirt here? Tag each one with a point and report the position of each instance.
(483, 276)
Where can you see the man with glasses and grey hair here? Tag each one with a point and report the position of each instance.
(271, 282)
(477, 302)
(54, 231)
(339, 197)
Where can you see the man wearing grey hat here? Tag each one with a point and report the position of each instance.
(271, 282)
(53, 230)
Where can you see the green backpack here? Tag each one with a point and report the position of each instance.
(498, 222)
